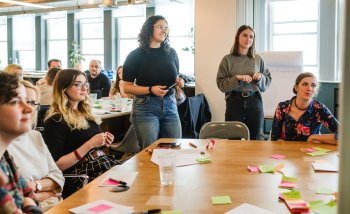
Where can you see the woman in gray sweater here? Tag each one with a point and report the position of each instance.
(242, 76)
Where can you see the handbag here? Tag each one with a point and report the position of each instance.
(179, 95)
(93, 164)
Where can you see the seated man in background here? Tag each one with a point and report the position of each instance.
(52, 63)
(99, 82)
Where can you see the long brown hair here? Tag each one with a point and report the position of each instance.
(61, 105)
(115, 89)
(235, 49)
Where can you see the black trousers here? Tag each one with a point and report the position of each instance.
(248, 110)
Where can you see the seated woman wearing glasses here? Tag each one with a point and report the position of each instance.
(15, 195)
(28, 150)
(72, 133)
(300, 118)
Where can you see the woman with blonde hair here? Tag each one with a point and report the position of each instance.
(72, 132)
(15, 69)
(28, 150)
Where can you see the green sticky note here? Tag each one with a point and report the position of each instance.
(325, 209)
(324, 191)
(292, 195)
(266, 168)
(172, 212)
(316, 204)
(322, 149)
(203, 160)
(317, 153)
(221, 200)
(97, 106)
(289, 179)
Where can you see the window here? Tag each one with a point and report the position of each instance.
(291, 32)
(91, 36)
(57, 37)
(24, 41)
(181, 31)
(3, 42)
(130, 20)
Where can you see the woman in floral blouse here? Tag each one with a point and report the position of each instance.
(300, 118)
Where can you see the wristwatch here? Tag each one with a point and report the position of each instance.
(39, 187)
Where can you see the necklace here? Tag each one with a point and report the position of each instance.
(301, 109)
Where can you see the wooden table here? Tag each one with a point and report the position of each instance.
(227, 175)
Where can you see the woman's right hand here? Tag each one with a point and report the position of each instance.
(244, 78)
(101, 139)
(159, 90)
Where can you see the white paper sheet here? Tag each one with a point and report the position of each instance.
(102, 207)
(127, 177)
(184, 157)
(248, 209)
(327, 167)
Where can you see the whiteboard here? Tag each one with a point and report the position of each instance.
(284, 67)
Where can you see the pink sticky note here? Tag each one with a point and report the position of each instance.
(286, 184)
(110, 182)
(100, 208)
(311, 150)
(277, 156)
(253, 169)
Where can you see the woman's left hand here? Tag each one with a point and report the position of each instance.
(256, 76)
(180, 82)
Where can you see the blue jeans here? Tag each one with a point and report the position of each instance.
(155, 117)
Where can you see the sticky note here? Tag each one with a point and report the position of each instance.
(289, 179)
(266, 168)
(100, 208)
(322, 149)
(172, 212)
(221, 200)
(203, 160)
(253, 169)
(292, 195)
(110, 182)
(277, 156)
(279, 167)
(287, 185)
(317, 153)
(316, 204)
(311, 150)
(324, 191)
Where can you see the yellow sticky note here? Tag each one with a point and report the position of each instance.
(221, 200)
(292, 195)
(266, 168)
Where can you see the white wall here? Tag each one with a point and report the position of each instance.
(215, 24)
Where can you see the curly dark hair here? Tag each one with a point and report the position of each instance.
(8, 85)
(146, 34)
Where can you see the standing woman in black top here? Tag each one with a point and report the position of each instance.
(153, 66)
(242, 76)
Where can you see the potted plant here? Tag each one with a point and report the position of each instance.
(75, 56)
(190, 47)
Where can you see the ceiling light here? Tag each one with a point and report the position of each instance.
(26, 4)
(108, 3)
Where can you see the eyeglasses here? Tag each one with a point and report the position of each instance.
(33, 104)
(79, 85)
(161, 27)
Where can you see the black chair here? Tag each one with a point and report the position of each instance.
(41, 116)
(232, 130)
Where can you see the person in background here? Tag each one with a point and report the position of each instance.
(15, 112)
(28, 150)
(52, 63)
(72, 132)
(99, 82)
(46, 87)
(242, 76)
(117, 86)
(300, 118)
(155, 66)
(15, 69)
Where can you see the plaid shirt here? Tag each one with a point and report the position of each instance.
(14, 190)
(286, 128)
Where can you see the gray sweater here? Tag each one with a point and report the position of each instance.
(231, 66)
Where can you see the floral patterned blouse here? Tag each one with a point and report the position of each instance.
(285, 127)
(14, 189)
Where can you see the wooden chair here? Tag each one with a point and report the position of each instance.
(232, 130)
